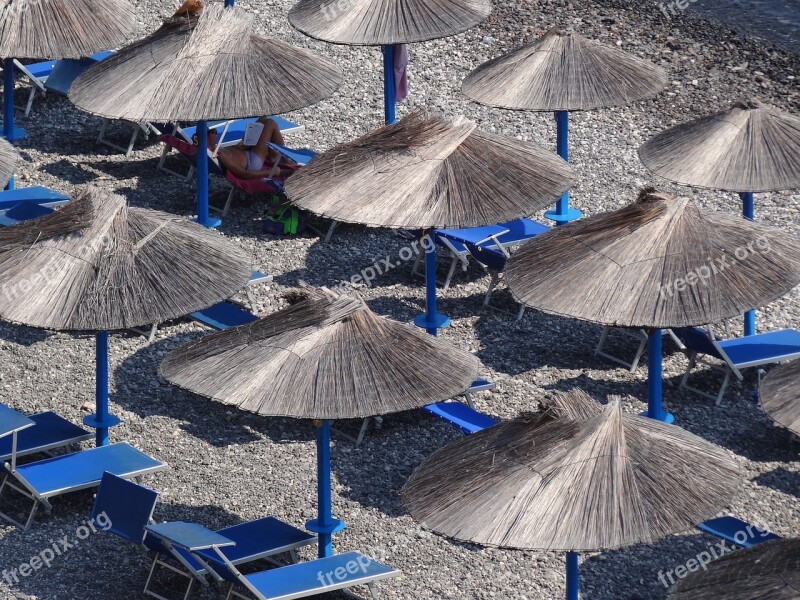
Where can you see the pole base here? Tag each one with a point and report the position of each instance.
(431, 325)
(335, 526)
(109, 421)
(17, 133)
(211, 223)
(560, 218)
(666, 417)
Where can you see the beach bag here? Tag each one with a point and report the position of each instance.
(284, 220)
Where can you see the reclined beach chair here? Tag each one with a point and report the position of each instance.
(21, 436)
(736, 353)
(65, 71)
(298, 580)
(128, 507)
(229, 133)
(40, 481)
(736, 531)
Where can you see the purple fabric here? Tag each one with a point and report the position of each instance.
(400, 72)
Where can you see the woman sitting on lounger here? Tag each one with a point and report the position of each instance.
(254, 162)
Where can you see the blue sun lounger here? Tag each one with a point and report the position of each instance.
(40, 481)
(736, 531)
(26, 203)
(41, 433)
(464, 416)
(736, 353)
(223, 315)
(298, 580)
(65, 71)
(128, 509)
(37, 74)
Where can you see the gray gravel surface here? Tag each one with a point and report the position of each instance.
(226, 465)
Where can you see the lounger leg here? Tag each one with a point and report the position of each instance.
(100, 135)
(363, 430)
(639, 352)
(251, 299)
(492, 285)
(520, 312)
(599, 349)
(157, 562)
(723, 387)
(452, 270)
(692, 362)
(417, 263)
(132, 141)
(330, 231)
(29, 104)
(468, 398)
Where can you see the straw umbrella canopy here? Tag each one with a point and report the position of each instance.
(658, 263)
(8, 162)
(55, 29)
(426, 171)
(325, 357)
(98, 265)
(779, 394)
(381, 23)
(768, 571)
(583, 478)
(199, 68)
(751, 147)
(748, 148)
(561, 72)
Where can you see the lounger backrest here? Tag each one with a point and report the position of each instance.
(697, 340)
(126, 505)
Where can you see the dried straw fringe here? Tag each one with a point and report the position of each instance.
(96, 264)
(547, 483)
(749, 148)
(621, 268)
(53, 29)
(375, 23)
(564, 71)
(324, 357)
(426, 171)
(780, 395)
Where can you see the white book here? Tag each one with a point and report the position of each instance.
(252, 132)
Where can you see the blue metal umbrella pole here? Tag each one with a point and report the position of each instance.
(388, 85)
(228, 3)
(10, 132)
(202, 177)
(655, 409)
(572, 576)
(563, 213)
(431, 321)
(748, 210)
(324, 525)
(101, 420)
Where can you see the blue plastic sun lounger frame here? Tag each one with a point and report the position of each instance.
(65, 71)
(37, 74)
(22, 204)
(128, 507)
(289, 582)
(464, 416)
(736, 353)
(48, 431)
(40, 481)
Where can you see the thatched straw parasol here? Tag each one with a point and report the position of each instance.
(381, 23)
(8, 162)
(750, 147)
(325, 357)
(657, 263)
(98, 265)
(779, 394)
(591, 481)
(768, 571)
(561, 72)
(202, 68)
(426, 171)
(54, 29)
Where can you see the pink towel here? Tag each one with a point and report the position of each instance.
(400, 72)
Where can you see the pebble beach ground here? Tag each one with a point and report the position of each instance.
(227, 466)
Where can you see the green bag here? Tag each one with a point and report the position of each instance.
(284, 220)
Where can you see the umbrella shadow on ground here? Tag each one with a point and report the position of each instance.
(782, 480)
(73, 172)
(217, 424)
(21, 335)
(657, 566)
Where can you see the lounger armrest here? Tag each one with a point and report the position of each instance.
(189, 536)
